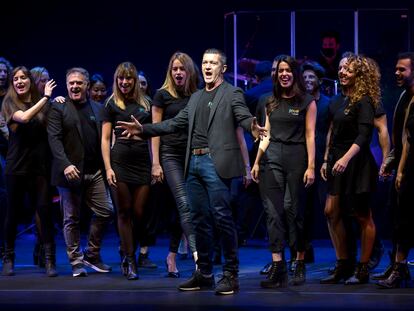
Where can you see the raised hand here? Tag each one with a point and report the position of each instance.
(50, 85)
(130, 128)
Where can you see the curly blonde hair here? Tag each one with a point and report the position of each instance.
(367, 79)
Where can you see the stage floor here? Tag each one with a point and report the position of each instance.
(30, 289)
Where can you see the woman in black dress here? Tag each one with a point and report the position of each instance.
(181, 81)
(349, 166)
(127, 163)
(290, 153)
(27, 163)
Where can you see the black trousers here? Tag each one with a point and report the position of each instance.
(38, 190)
(285, 169)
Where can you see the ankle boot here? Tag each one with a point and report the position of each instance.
(277, 276)
(131, 273)
(8, 263)
(399, 277)
(299, 275)
(361, 275)
(50, 260)
(343, 270)
(386, 273)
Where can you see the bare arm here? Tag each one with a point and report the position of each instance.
(21, 116)
(325, 156)
(383, 138)
(156, 171)
(106, 152)
(264, 143)
(309, 176)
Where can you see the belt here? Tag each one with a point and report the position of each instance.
(200, 151)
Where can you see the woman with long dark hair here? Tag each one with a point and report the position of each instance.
(27, 162)
(290, 153)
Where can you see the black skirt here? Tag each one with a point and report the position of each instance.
(360, 176)
(131, 162)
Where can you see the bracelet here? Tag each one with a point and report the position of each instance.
(47, 96)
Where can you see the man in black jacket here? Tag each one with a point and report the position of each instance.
(74, 131)
(213, 158)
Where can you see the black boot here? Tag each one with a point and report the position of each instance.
(50, 260)
(386, 273)
(299, 275)
(8, 263)
(343, 270)
(361, 275)
(399, 277)
(277, 276)
(131, 273)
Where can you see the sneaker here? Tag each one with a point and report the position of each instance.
(96, 264)
(197, 282)
(79, 270)
(145, 262)
(228, 284)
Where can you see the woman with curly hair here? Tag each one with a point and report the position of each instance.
(349, 166)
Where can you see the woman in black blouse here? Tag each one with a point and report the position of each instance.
(180, 82)
(349, 166)
(290, 152)
(27, 162)
(127, 163)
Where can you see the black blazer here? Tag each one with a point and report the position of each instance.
(65, 139)
(227, 112)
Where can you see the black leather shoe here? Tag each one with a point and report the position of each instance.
(376, 256)
(361, 275)
(342, 271)
(145, 262)
(299, 274)
(399, 277)
(174, 275)
(277, 276)
(386, 273)
(131, 270)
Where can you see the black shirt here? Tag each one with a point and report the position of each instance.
(28, 152)
(352, 124)
(91, 142)
(199, 139)
(171, 106)
(288, 120)
(398, 123)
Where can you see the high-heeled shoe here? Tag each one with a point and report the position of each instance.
(399, 277)
(174, 275)
(132, 272)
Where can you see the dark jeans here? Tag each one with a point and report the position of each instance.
(209, 197)
(173, 166)
(40, 200)
(285, 170)
(94, 193)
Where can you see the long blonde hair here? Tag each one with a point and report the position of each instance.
(192, 80)
(127, 69)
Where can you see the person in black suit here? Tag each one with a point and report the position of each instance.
(74, 131)
(212, 159)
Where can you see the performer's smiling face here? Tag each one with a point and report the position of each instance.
(77, 86)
